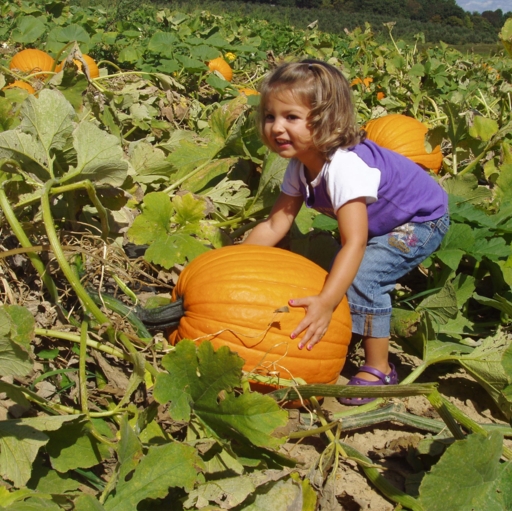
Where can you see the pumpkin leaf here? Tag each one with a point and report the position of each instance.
(485, 364)
(16, 333)
(176, 248)
(189, 156)
(188, 209)
(28, 30)
(49, 118)
(20, 441)
(160, 42)
(170, 246)
(483, 128)
(74, 446)
(471, 476)
(203, 380)
(27, 151)
(147, 159)
(230, 492)
(270, 183)
(223, 119)
(154, 221)
(441, 305)
(99, 156)
(152, 478)
(228, 195)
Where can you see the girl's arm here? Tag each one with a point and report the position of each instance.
(272, 230)
(353, 226)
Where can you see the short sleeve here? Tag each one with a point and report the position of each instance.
(291, 179)
(348, 177)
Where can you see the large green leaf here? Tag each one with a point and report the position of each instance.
(76, 447)
(162, 43)
(49, 118)
(189, 156)
(228, 195)
(28, 30)
(483, 128)
(154, 221)
(195, 379)
(470, 476)
(224, 117)
(170, 246)
(147, 159)
(506, 36)
(27, 151)
(16, 333)
(442, 305)
(270, 183)
(230, 492)
(167, 466)
(20, 441)
(100, 155)
(178, 247)
(485, 364)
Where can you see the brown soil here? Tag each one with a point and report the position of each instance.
(390, 445)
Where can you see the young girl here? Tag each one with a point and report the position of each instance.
(391, 214)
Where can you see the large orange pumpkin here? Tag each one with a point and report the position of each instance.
(230, 297)
(94, 71)
(220, 65)
(404, 135)
(32, 61)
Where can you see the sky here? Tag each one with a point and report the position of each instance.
(485, 5)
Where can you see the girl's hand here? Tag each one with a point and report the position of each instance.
(317, 319)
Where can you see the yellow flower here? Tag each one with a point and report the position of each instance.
(230, 57)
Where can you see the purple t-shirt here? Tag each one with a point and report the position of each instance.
(396, 189)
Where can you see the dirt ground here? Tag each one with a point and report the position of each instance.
(387, 444)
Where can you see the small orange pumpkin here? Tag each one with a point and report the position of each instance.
(94, 71)
(404, 135)
(32, 61)
(248, 92)
(220, 65)
(231, 296)
(20, 84)
(365, 81)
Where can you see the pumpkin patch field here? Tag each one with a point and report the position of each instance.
(145, 357)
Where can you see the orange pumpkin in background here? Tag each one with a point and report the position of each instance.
(220, 65)
(32, 61)
(364, 81)
(20, 84)
(248, 92)
(230, 297)
(404, 135)
(94, 71)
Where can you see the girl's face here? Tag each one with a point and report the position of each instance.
(287, 131)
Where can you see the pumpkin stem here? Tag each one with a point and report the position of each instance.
(161, 318)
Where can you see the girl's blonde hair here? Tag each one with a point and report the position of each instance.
(326, 92)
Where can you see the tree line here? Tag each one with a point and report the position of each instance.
(435, 20)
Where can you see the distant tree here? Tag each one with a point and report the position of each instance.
(495, 18)
(454, 21)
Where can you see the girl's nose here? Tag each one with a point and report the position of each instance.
(277, 126)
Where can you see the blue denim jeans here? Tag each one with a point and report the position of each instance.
(386, 259)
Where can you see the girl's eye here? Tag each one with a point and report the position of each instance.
(269, 117)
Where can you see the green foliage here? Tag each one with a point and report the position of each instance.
(471, 476)
(161, 152)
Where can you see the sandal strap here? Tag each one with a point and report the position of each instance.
(385, 378)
